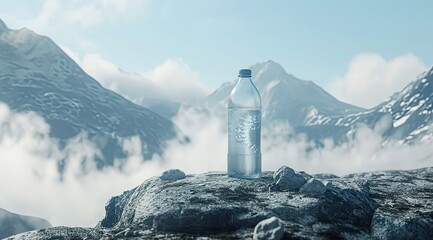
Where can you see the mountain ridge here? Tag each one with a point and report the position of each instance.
(310, 110)
(39, 76)
(284, 97)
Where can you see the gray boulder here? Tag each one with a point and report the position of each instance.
(269, 229)
(313, 186)
(285, 179)
(172, 174)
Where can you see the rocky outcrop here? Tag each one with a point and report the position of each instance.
(381, 205)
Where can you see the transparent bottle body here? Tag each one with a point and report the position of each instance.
(244, 131)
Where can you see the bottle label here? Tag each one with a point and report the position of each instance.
(244, 131)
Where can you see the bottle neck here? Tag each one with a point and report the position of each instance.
(244, 80)
(244, 94)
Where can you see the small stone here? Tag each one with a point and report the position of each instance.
(313, 186)
(284, 170)
(172, 174)
(287, 180)
(271, 228)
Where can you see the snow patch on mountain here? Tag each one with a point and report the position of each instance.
(400, 120)
(314, 118)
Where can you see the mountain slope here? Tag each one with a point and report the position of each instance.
(36, 75)
(11, 223)
(407, 114)
(288, 100)
(412, 108)
(167, 109)
(310, 110)
(285, 98)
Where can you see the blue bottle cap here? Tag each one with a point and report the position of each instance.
(244, 73)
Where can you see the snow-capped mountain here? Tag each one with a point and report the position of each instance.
(407, 114)
(289, 100)
(412, 109)
(285, 98)
(36, 75)
(310, 110)
(11, 223)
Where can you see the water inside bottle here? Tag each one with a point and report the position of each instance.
(244, 156)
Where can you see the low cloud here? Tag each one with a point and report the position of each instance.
(31, 184)
(363, 152)
(371, 79)
(130, 85)
(172, 80)
(178, 81)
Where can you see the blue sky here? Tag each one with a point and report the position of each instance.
(314, 40)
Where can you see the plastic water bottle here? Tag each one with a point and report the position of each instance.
(244, 124)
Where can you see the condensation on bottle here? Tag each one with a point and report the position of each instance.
(244, 156)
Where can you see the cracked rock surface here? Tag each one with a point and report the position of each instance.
(380, 205)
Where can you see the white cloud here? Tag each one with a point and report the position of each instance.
(371, 79)
(131, 85)
(84, 13)
(178, 81)
(29, 178)
(28, 163)
(207, 149)
(172, 80)
(363, 152)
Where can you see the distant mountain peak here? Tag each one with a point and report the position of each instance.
(22, 38)
(268, 66)
(272, 63)
(27, 31)
(285, 98)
